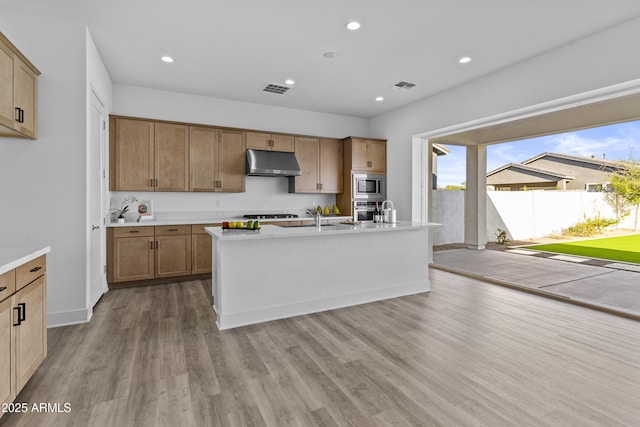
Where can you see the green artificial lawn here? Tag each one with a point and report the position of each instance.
(621, 248)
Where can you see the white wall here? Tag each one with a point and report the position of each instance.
(262, 193)
(601, 60)
(42, 182)
(522, 214)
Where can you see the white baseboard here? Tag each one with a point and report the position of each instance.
(66, 318)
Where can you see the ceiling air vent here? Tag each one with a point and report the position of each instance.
(403, 85)
(275, 88)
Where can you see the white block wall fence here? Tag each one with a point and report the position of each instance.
(523, 214)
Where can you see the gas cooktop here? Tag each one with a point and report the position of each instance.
(270, 216)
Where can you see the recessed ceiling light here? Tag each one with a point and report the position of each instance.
(329, 55)
(464, 60)
(167, 59)
(290, 81)
(353, 25)
(379, 99)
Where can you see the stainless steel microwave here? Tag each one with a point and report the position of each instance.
(369, 186)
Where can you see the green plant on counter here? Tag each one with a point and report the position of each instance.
(501, 237)
(124, 206)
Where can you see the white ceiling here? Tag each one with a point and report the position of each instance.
(230, 49)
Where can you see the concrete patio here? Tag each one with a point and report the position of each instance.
(613, 288)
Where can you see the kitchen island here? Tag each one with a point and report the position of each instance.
(280, 272)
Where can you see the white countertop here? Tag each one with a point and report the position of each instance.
(11, 258)
(216, 220)
(273, 231)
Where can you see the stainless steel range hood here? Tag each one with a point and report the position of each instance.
(272, 163)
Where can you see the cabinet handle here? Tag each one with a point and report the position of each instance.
(14, 316)
(23, 317)
(156, 244)
(21, 115)
(17, 117)
(3, 288)
(172, 229)
(151, 245)
(22, 313)
(150, 182)
(34, 269)
(134, 231)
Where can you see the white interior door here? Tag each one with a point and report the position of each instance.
(97, 279)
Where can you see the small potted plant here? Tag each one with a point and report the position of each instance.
(124, 208)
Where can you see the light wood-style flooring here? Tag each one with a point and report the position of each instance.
(467, 354)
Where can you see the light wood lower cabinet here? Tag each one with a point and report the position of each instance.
(23, 329)
(7, 348)
(173, 250)
(148, 254)
(130, 254)
(31, 334)
(201, 246)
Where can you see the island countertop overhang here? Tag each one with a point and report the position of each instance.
(275, 232)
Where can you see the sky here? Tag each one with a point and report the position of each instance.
(616, 142)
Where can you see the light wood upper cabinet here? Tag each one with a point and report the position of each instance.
(148, 156)
(331, 166)
(271, 142)
(367, 155)
(171, 157)
(231, 160)
(321, 163)
(131, 157)
(203, 147)
(18, 92)
(217, 159)
(307, 154)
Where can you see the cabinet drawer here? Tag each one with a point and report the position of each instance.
(30, 271)
(8, 282)
(199, 228)
(132, 231)
(170, 230)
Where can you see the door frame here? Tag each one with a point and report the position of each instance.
(93, 97)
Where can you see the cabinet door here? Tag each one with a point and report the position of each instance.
(201, 253)
(171, 157)
(203, 158)
(377, 156)
(7, 379)
(307, 155)
(359, 154)
(231, 161)
(173, 255)
(7, 112)
(258, 141)
(331, 166)
(31, 333)
(282, 142)
(25, 89)
(131, 154)
(133, 258)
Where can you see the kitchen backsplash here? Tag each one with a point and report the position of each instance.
(263, 194)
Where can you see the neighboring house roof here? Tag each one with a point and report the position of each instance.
(588, 160)
(553, 176)
(440, 150)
